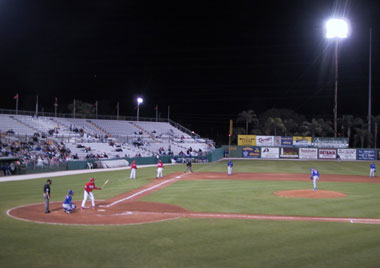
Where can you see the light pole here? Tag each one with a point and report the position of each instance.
(139, 101)
(336, 29)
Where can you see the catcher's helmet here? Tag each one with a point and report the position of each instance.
(70, 192)
(92, 179)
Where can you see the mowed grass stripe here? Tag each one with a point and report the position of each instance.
(257, 197)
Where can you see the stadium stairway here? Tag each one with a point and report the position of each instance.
(144, 131)
(24, 123)
(102, 130)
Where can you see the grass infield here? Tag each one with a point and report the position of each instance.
(202, 242)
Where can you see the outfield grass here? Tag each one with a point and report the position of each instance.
(201, 242)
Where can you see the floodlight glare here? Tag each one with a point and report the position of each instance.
(336, 28)
(139, 100)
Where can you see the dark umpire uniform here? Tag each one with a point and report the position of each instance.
(188, 167)
(47, 195)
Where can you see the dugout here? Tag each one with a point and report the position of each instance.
(8, 165)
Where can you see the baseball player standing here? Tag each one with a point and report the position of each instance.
(315, 177)
(67, 204)
(188, 166)
(229, 167)
(372, 170)
(88, 188)
(133, 170)
(160, 167)
(47, 195)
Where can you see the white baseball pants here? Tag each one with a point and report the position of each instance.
(88, 195)
(229, 170)
(68, 207)
(159, 172)
(372, 172)
(133, 174)
(315, 178)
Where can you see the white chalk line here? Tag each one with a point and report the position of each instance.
(143, 191)
(268, 217)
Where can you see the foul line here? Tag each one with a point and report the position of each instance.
(143, 191)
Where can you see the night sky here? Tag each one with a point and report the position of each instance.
(208, 60)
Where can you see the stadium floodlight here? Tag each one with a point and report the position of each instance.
(336, 29)
(139, 101)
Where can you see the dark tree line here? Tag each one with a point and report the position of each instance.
(285, 122)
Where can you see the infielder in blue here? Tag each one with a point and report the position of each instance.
(314, 176)
(67, 204)
(229, 167)
(372, 170)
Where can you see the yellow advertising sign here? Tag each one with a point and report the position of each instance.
(301, 141)
(247, 140)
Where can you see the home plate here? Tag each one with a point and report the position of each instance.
(101, 210)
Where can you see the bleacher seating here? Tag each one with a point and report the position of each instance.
(133, 138)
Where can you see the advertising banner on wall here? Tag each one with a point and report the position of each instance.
(269, 152)
(366, 154)
(289, 153)
(308, 153)
(347, 154)
(327, 153)
(264, 140)
(299, 141)
(286, 141)
(247, 140)
(378, 154)
(251, 152)
(330, 142)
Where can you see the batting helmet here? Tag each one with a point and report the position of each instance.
(70, 192)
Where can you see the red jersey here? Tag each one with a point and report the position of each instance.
(134, 166)
(160, 165)
(90, 186)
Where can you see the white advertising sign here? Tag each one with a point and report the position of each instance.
(264, 140)
(347, 154)
(270, 152)
(327, 153)
(308, 153)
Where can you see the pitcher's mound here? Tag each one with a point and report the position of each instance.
(310, 194)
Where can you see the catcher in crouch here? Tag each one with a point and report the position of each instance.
(89, 186)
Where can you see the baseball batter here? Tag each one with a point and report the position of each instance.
(160, 167)
(88, 188)
(133, 170)
(315, 177)
(67, 204)
(230, 164)
(372, 170)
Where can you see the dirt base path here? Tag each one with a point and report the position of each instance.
(127, 209)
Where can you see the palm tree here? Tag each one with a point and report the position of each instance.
(361, 135)
(376, 121)
(248, 117)
(275, 124)
(348, 121)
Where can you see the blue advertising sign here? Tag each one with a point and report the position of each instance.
(366, 154)
(286, 141)
(251, 152)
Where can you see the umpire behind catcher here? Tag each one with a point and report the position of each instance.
(47, 195)
(188, 166)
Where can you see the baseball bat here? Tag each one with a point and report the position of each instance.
(104, 184)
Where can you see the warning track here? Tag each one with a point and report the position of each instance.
(127, 209)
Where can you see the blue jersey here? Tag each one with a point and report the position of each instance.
(372, 166)
(67, 200)
(230, 164)
(314, 172)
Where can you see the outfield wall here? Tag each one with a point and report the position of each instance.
(304, 153)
